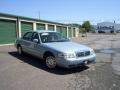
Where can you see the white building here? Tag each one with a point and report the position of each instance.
(107, 27)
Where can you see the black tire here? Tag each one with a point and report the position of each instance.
(50, 62)
(111, 31)
(19, 50)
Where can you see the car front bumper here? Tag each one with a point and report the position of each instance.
(75, 62)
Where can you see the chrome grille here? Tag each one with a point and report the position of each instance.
(87, 53)
(82, 54)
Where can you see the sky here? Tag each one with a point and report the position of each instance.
(66, 11)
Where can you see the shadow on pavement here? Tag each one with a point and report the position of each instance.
(36, 62)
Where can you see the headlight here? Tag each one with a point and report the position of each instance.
(67, 55)
(92, 52)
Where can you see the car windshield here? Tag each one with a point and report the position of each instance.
(52, 37)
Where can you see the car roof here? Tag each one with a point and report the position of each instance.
(41, 31)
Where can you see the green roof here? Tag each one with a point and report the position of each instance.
(28, 18)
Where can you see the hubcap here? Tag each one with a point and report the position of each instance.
(50, 62)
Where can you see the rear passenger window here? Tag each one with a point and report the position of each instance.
(28, 36)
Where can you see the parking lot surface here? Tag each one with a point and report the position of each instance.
(30, 73)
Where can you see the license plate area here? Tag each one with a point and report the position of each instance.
(85, 62)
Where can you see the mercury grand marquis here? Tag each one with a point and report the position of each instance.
(55, 49)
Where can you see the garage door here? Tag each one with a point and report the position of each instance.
(69, 32)
(59, 29)
(74, 32)
(25, 26)
(40, 26)
(51, 27)
(7, 31)
(64, 31)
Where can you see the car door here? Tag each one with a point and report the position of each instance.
(36, 46)
(26, 42)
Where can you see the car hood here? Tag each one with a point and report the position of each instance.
(67, 46)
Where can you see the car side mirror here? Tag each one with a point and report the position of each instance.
(69, 39)
(35, 40)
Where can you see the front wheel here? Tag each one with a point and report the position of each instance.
(50, 62)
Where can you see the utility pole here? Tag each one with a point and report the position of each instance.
(39, 15)
(114, 21)
(114, 27)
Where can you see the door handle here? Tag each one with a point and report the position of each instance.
(35, 45)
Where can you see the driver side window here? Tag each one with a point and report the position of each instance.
(35, 36)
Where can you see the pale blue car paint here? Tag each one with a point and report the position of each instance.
(38, 50)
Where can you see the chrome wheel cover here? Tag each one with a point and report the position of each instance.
(50, 62)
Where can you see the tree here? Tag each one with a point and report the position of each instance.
(83, 32)
(87, 26)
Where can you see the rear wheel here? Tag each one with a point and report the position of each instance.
(19, 50)
(50, 61)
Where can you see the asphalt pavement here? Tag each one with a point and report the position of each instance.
(30, 73)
